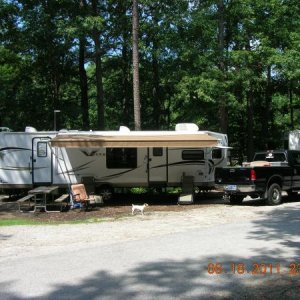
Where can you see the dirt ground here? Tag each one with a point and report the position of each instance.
(117, 207)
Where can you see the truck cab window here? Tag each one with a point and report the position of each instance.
(270, 157)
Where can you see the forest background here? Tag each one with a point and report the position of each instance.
(231, 66)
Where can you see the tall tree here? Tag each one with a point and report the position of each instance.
(135, 64)
(223, 118)
(82, 72)
(96, 31)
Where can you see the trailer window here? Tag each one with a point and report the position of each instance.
(42, 149)
(192, 154)
(157, 151)
(121, 158)
(216, 153)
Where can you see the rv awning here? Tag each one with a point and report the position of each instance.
(137, 141)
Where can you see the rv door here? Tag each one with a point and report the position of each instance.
(41, 161)
(157, 168)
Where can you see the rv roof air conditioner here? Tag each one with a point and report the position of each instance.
(186, 127)
(30, 129)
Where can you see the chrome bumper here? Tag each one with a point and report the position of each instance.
(243, 189)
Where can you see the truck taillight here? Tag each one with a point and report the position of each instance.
(253, 175)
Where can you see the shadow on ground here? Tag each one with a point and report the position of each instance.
(190, 278)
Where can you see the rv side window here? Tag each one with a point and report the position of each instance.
(157, 151)
(216, 153)
(42, 149)
(192, 154)
(121, 158)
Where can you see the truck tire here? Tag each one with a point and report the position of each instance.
(274, 196)
(236, 199)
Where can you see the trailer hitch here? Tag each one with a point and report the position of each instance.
(226, 196)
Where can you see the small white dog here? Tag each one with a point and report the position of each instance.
(139, 208)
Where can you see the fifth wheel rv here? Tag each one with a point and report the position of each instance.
(111, 159)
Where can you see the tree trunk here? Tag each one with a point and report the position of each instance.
(55, 89)
(98, 62)
(83, 85)
(291, 104)
(125, 85)
(84, 101)
(250, 123)
(125, 67)
(223, 114)
(156, 88)
(266, 108)
(135, 63)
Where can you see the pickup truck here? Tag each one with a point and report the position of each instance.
(270, 173)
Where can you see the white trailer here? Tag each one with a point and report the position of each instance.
(111, 159)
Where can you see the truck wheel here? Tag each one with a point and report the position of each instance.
(236, 199)
(274, 194)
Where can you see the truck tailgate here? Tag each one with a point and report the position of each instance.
(229, 175)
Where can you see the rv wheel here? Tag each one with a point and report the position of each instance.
(106, 192)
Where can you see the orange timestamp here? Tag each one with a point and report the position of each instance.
(253, 269)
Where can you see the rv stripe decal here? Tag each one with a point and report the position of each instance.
(9, 168)
(211, 164)
(16, 169)
(78, 168)
(116, 175)
(181, 163)
(14, 149)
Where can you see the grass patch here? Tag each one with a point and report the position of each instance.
(19, 222)
(16, 222)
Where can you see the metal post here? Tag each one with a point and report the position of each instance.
(55, 111)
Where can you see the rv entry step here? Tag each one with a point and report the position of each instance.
(186, 196)
(186, 199)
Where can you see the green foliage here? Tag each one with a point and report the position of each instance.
(138, 190)
(188, 73)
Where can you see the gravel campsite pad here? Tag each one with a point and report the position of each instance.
(115, 223)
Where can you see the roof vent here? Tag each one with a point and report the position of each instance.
(5, 129)
(124, 129)
(30, 129)
(186, 127)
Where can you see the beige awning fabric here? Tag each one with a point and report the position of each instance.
(134, 141)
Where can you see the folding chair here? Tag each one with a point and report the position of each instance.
(80, 195)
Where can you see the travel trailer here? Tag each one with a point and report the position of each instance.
(110, 159)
